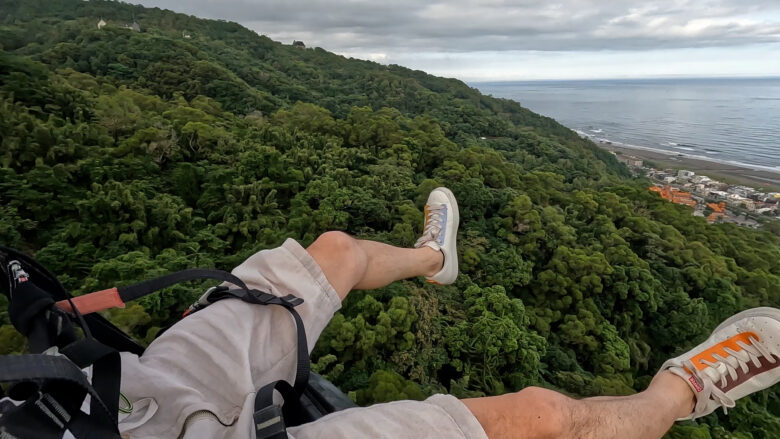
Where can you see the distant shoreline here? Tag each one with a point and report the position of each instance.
(759, 178)
(477, 83)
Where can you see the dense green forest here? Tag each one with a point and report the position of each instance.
(127, 154)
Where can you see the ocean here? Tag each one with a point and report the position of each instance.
(732, 120)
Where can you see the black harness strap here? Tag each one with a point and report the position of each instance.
(141, 289)
(288, 302)
(58, 398)
(271, 419)
(56, 373)
(26, 310)
(106, 371)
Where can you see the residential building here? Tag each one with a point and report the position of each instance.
(630, 161)
(740, 201)
(742, 191)
(718, 211)
(675, 195)
(719, 195)
(685, 174)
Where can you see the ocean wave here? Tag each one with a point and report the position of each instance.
(597, 131)
(775, 169)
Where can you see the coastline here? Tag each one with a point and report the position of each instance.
(765, 179)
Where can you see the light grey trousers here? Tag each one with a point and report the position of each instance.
(198, 380)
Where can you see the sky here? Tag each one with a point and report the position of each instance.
(502, 40)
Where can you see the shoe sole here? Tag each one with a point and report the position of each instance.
(454, 234)
(764, 311)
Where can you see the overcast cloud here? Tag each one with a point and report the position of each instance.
(504, 37)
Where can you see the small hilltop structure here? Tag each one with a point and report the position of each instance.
(298, 44)
(135, 27)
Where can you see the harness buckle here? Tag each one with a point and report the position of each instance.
(204, 300)
(264, 298)
(260, 297)
(269, 423)
(291, 300)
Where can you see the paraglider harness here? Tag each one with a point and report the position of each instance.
(49, 386)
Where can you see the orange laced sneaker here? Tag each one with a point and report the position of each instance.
(742, 356)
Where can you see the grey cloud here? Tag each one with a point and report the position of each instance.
(499, 25)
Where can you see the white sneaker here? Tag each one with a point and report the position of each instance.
(742, 356)
(440, 233)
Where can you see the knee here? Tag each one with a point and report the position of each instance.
(548, 412)
(343, 248)
(337, 243)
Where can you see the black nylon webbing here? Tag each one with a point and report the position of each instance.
(304, 363)
(141, 289)
(106, 371)
(40, 367)
(47, 368)
(265, 396)
(106, 377)
(271, 420)
(107, 364)
(289, 302)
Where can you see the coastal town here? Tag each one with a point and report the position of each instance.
(715, 200)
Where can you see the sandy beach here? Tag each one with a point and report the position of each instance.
(764, 179)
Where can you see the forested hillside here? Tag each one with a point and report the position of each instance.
(127, 154)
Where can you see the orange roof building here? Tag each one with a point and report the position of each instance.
(718, 211)
(674, 195)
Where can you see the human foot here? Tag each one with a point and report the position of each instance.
(440, 233)
(742, 356)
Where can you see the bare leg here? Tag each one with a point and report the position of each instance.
(536, 413)
(349, 263)
(532, 413)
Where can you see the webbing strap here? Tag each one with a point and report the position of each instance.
(136, 291)
(106, 362)
(106, 371)
(33, 367)
(63, 386)
(289, 302)
(269, 417)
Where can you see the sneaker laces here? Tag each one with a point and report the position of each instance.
(724, 368)
(433, 224)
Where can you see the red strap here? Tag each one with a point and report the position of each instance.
(92, 302)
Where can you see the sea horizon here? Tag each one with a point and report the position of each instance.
(728, 120)
(649, 78)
